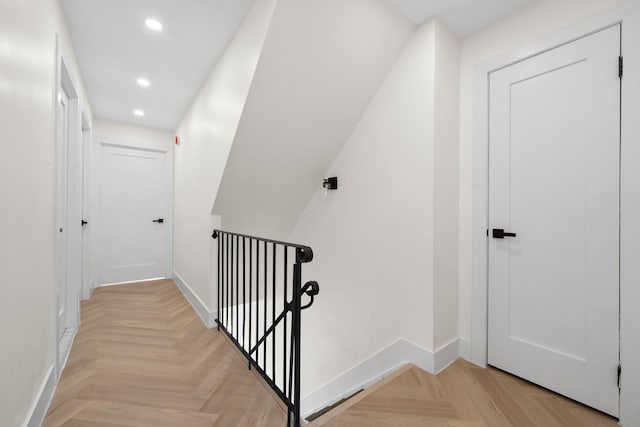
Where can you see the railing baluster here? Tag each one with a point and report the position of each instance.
(250, 288)
(237, 287)
(231, 327)
(273, 314)
(257, 297)
(224, 293)
(218, 294)
(297, 298)
(293, 338)
(234, 327)
(264, 332)
(244, 293)
(225, 273)
(231, 294)
(227, 293)
(234, 287)
(284, 332)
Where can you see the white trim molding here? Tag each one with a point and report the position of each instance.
(41, 404)
(627, 14)
(376, 368)
(87, 293)
(464, 346)
(64, 350)
(207, 317)
(445, 356)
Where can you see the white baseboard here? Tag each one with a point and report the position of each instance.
(207, 317)
(41, 404)
(376, 368)
(87, 293)
(465, 348)
(64, 349)
(446, 355)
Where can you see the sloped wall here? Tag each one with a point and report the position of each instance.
(322, 62)
(207, 131)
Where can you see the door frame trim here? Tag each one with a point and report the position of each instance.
(627, 14)
(99, 142)
(88, 281)
(64, 81)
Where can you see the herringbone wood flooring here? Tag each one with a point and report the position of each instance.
(142, 357)
(463, 395)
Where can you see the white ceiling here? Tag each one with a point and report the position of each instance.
(463, 17)
(114, 48)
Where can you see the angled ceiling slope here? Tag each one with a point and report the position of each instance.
(114, 48)
(463, 17)
(321, 64)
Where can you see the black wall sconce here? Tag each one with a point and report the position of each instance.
(330, 183)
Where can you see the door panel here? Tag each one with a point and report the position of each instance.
(86, 227)
(62, 188)
(132, 195)
(554, 181)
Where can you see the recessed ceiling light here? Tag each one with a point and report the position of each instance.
(138, 113)
(153, 24)
(143, 82)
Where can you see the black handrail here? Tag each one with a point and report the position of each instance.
(249, 331)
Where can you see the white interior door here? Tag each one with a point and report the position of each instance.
(86, 208)
(554, 182)
(132, 212)
(62, 232)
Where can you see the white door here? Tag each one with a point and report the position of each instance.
(132, 212)
(86, 208)
(62, 232)
(554, 183)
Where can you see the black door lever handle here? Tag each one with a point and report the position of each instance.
(83, 223)
(499, 233)
(159, 220)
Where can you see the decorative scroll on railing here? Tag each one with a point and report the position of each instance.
(259, 308)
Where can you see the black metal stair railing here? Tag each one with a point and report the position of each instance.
(259, 308)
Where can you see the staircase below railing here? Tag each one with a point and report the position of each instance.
(259, 308)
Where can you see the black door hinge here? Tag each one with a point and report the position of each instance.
(619, 374)
(620, 66)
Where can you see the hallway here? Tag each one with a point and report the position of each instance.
(142, 357)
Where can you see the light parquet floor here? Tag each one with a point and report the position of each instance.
(142, 357)
(463, 395)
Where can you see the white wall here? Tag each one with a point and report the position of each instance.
(27, 165)
(373, 238)
(322, 62)
(207, 131)
(531, 23)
